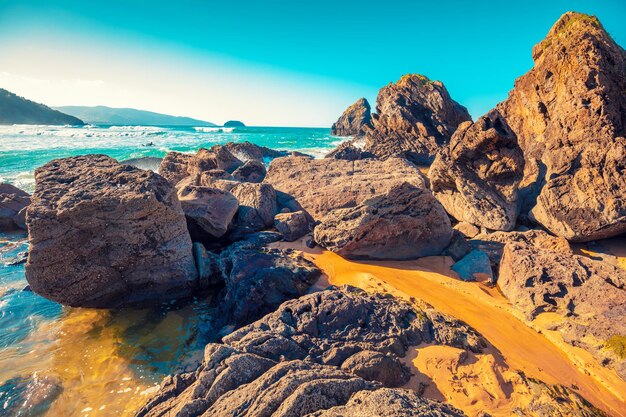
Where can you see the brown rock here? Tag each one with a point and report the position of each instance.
(292, 225)
(476, 177)
(246, 151)
(467, 229)
(174, 166)
(377, 366)
(350, 151)
(590, 295)
(257, 208)
(217, 157)
(322, 185)
(209, 211)
(569, 115)
(104, 234)
(353, 119)
(414, 118)
(405, 223)
(251, 171)
(13, 204)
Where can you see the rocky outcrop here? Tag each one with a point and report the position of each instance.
(174, 166)
(234, 123)
(247, 151)
(476, 177)
(257, 208)
(292, 225)
(414, 118)
(251, 171)
(569, 115)
(322, 185)
(350, 151)
(353, 119)
(209, 211)
(291, 362)
(589, 295)
(407, 222)
(217, 157)
(13, 204)
(104, 234)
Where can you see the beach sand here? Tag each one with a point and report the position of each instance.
(484, 382)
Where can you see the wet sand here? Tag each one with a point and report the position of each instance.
(516, 344)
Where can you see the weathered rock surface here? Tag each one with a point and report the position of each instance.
(322, 185)
(257, 208)
(104, 234)
(292, 225)
(473, 266)
(217, 157)
(405, 223)
(414, 118)
(174, 166)
(476, 177)
(385, 402)
(13, 204)
(353, 119)
(350, 151)
(209, 211)
(247, 151)
(590, 295)
(289, 363)
(251, 171)
(569, 115)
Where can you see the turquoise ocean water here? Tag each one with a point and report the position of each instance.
(95, 362)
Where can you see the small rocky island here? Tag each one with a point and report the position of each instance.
(234, 123)
(514, 200)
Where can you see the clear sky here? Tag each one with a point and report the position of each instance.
(282, 63)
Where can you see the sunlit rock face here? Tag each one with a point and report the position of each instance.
(569, 115)
(353, 119)
(414, 118)
(104, 234)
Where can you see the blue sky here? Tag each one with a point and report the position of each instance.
(271, 63)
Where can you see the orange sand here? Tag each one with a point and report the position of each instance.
(516, 345)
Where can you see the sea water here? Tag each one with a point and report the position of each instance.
(60, 361)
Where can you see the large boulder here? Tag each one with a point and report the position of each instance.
(104, 234)
(257, 208)
(588, 295)
(251, 171)
(405, 223)
(322, 185)
(414, 118)
(209, 211)
(247, 151)
(174, 166)
(569, 115)
(217, 157)
(292, 225)
(290, 362)
(13, 204)
(353, 119)
(476, 177)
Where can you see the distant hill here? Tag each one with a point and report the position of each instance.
(234, 123)
(102, 115)
(18, 110)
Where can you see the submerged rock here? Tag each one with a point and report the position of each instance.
(569, 115)
(13, 204)
(405, 223)
(290, 362)
(589, 295)
(322, 185)
(476, 177)
(104, 234)
(414, 118)
(353, 119)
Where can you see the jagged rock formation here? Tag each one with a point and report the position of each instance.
(414, 118)
(104, 234)
(13, 204)
(322, 185)
(569, 115)
(176, 166)
(247, 151)
(18, 110)
(353, 119)
(405, 223)
(476, 177)
(290, 362)
(590, 295)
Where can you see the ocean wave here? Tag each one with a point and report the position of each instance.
(214, 129)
